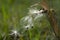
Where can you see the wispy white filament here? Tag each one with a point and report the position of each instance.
(29, 22)
(14, 32)
(33, 11)
(41, 11)
(35, 4)
(38, 16)
(28, 26)
(29, 19)
(36, 13)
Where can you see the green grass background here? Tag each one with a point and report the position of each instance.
(11, 11)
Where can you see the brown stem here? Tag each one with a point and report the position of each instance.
(53, 22)
(51, 17)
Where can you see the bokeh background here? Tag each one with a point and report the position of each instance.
(11, 12)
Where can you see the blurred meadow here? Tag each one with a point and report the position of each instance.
(11, 14)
